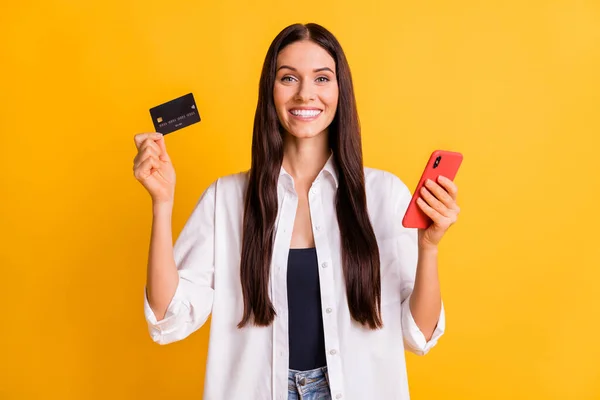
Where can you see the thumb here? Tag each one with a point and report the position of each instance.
(164, 156)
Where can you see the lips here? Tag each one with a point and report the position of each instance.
(305, 114)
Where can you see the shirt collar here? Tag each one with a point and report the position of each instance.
(329, 169)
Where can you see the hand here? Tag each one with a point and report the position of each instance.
(153, 168)
(438, 202)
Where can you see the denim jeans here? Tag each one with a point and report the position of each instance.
(309, 385)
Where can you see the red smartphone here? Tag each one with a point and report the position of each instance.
(441, 162)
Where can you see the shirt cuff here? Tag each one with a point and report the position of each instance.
(413, 337)
(170, 322)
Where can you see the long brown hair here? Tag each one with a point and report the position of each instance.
(360, 253)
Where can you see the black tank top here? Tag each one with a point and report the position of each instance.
(306, 337)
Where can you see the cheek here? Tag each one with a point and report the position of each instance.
(282, 95)
(330, 96)
(331, 100)
(277, 98)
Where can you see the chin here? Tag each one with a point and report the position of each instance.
(304, 134)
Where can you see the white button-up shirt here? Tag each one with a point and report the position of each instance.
(252, 362)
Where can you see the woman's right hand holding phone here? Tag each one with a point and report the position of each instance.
(152, 167)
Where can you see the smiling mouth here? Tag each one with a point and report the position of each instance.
(305, 114)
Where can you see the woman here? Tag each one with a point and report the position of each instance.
(313, 286)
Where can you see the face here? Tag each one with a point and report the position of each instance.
(306, 89)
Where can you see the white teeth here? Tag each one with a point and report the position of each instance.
(306, 113)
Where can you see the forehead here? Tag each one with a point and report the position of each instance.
(305, 55)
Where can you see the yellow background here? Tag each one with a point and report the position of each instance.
(513, 85)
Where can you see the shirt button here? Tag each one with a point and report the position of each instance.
(338, 396)
(318, 227)
(324, 265)
(333, 352)
(329, 310)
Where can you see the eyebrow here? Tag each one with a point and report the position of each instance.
(314, 70)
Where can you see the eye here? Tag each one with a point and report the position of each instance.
(287, 78)
(322, 79)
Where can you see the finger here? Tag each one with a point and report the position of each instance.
(439, 192)
(435, 216)
(147, 144)
(433, 202)
(163, 155)
(146, 168)
(138, 164)
(428, 210)
(148, 151)
(450, 186)
(150, 143)
(140, 137)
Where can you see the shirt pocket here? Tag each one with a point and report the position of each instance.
(389, 271)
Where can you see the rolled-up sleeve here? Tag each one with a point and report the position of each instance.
(414, 339)
(193, 252)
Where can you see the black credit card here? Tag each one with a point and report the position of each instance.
(175, 114)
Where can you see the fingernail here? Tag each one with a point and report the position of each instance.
(159, 134)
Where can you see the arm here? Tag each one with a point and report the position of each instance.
(425, 309)
(180, 289)
(423, 315)
(438, 201)
(426, 299)
(162, 277)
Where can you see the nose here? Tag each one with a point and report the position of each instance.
(305, 92)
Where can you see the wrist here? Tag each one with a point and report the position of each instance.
(428, 249)
(162, 207)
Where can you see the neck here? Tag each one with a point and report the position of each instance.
(304, 158)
